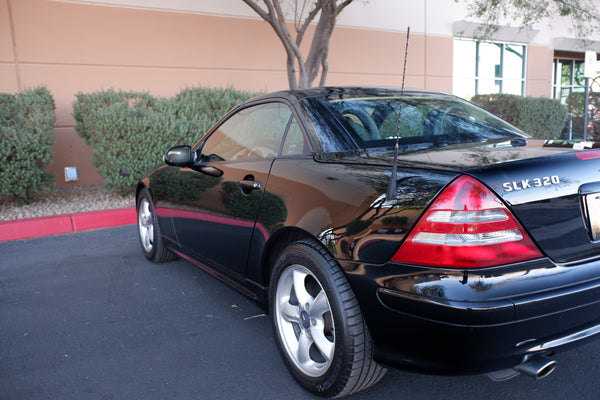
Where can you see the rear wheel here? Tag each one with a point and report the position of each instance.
(318, 324)
(149, 231)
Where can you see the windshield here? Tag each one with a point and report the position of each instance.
(427, 120)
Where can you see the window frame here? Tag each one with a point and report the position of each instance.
(499, 81)
(557, 85)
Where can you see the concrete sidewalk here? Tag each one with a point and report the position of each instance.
(44, 226)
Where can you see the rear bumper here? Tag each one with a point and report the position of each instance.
(462, 322)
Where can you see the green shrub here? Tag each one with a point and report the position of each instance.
(129, 131)
(540, 117)
(576, 105)
(26, 121)
(506, 106)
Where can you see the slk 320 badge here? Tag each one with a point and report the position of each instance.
(531, 183)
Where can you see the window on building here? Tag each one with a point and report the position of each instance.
(569, 87)
(567, 78)
(488, 67)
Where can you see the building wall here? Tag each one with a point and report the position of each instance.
(539, 71)
(163, 46)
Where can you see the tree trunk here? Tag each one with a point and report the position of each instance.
(320, 43)
(291, 72)
(316, 62)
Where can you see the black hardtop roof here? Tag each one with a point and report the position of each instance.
(339, 92)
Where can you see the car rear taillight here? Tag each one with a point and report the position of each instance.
(467, 226)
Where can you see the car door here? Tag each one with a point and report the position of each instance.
(215, 221)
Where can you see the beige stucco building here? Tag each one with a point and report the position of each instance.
(162, 46)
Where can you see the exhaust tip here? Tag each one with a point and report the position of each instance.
(537, 367)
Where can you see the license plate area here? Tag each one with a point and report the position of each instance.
(591, 211)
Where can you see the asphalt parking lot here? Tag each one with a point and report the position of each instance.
(85, 316)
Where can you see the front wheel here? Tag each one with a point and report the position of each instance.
(318, 324)
(149, 231)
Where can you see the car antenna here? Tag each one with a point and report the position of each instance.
(391, 191)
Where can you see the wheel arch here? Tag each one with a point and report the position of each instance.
(139, 187)
(275, 245)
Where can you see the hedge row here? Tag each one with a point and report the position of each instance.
(26, 121)
(540, 117)
(576, 105)
(130, 131)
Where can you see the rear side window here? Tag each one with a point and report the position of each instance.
(294, 141)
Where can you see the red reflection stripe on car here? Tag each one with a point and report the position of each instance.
(588, 155)
(186, 214)
(163, 212)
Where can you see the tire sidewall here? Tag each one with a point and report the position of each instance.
(145, 195)
(328, 383)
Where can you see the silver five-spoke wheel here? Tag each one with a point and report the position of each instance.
(318, 324)
(151, 239)
(145, 225)
(304, 321)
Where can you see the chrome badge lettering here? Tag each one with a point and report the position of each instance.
(531, 183)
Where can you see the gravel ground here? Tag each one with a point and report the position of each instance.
(65, 200)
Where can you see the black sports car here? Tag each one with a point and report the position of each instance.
(382, 227)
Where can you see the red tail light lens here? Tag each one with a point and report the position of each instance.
(467, 226)
(588, 155)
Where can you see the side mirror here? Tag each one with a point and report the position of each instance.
(180, 156)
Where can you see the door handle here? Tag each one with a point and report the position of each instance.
(250, 184)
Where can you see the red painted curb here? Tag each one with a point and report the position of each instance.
(35, 227)
(103, 219)
(44, 226)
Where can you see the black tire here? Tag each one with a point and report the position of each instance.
(318, 325)
(149, 234)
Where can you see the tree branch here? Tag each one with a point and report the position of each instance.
(309, 19)
(316, 62)
(583, 14)
(275, 17)
(320, 42)
(343, 5)
(258, 9)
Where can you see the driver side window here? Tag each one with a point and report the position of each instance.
(253, 132)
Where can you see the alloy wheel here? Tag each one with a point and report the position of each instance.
(304, 321)
(146, 225)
